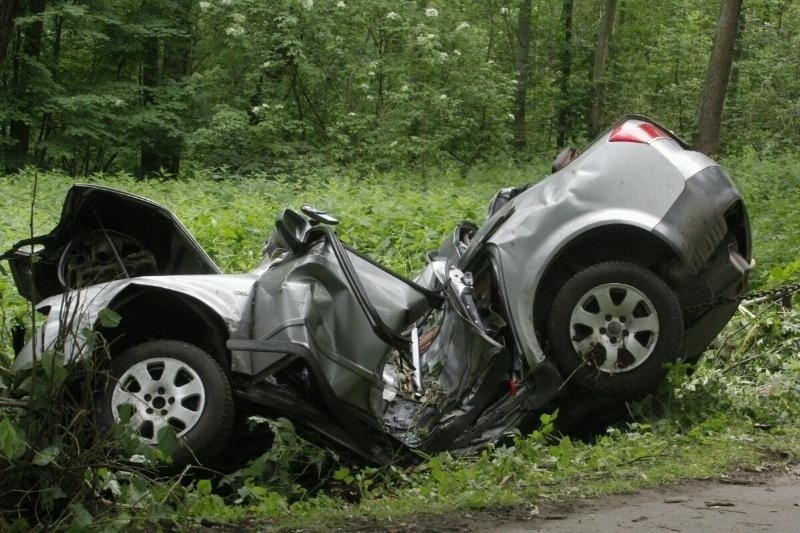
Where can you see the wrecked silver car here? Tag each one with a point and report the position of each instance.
(581, 286)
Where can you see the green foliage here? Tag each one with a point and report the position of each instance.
(288, 85)
(360, 81)
(289, 459)
(769, 188)
(749, 374)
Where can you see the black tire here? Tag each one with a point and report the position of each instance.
(174, 383)
(623, 357)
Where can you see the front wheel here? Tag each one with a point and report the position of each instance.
(612, 328)
(170, 383)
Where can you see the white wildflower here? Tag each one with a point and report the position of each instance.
(443, 56)
(425, 39)
(431, 12)
(404, 88)
(204, 6)
(510, 116)
(391, 15)
(443, 97)
(504, 11)
(234, 31)
(456, 52)
(462, 26)
(340, 4)
(238, 18)
(351, 114)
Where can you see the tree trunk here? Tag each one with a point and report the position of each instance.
(150, 157)
(177, 65)
(709, 113)
(566, 68)
(165, 60)
(521, 93)
(20, 129)
(738, 51)
(8, 11)
(600, 55)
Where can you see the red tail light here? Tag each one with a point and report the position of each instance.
(636, 131)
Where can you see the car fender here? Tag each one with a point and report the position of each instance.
(74, 315)
(523, 267)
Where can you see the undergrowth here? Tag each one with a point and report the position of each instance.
(740, 400)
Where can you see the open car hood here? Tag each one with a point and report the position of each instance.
(105, 234)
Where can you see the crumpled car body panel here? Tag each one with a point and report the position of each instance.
(453, 359)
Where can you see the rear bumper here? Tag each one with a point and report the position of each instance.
(709, 229)
(707, 210)
(724, 278)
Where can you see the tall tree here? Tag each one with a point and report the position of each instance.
(24, 74)
(565, 102)
(522, 60)
(709, 113)
(166, 56)
(600, 55)
(151, 161)
(8, 11)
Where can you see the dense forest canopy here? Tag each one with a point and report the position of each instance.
(250, 85)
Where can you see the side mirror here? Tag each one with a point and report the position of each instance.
(318, 216)
(564, 158)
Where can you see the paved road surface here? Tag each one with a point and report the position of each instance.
(742, 504)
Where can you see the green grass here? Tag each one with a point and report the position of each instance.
(396, 217)
(616, 464)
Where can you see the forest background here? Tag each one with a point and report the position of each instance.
(250, 86)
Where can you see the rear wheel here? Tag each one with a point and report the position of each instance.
(170, 383)
(612, 328)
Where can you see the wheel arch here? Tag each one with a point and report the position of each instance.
(150, 313)
(611, 242)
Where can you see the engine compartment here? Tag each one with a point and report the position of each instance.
(99, 255)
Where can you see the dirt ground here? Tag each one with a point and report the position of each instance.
(738, 502)
(742, 502)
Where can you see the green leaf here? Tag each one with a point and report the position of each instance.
(109, 318)
(125, 412)
(343, 474)
(9, 442)
(167, 440)
(81, 518)
(53, 366)
(204, 487)
(51, 494)
(46, 456)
